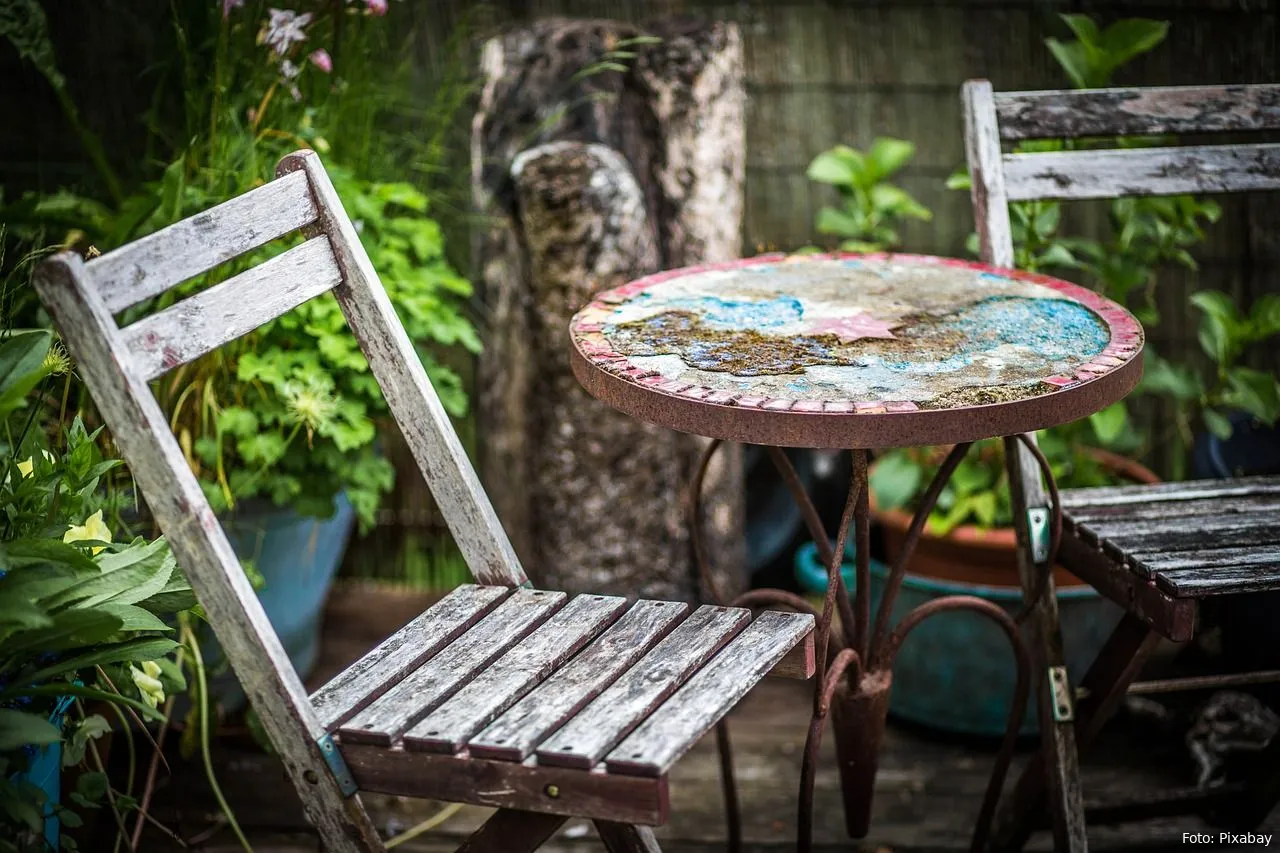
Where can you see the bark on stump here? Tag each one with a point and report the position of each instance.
(586, 181)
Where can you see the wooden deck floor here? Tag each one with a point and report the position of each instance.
(927, 793)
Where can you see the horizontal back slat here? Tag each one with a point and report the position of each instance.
(151, 265)
(1137, 112)
(1142, 171)
(199, 324)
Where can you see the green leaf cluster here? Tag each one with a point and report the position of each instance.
(871, 207)
(77, 612)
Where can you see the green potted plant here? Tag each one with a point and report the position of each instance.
(281, 427)
(85, 621)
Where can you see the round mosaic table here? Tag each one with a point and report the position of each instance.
(861, 352)
(855, 351)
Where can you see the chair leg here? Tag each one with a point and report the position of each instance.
(511, 831)
(626, 838)
(1057, 731)
(1118, 663)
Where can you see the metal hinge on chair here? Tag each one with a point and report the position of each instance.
(337, 766)
(1038, 526)
(1060, 695)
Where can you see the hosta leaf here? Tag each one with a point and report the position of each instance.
(135, 650)
(18, 728)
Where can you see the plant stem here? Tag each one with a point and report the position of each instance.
(102, 768)
(197, 660)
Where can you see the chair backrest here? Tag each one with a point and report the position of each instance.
(116, 364)
(991, 118)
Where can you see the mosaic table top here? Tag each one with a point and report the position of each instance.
(855, 350)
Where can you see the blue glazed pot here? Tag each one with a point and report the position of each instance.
(44, 770)
(298, 557)
(956, 671)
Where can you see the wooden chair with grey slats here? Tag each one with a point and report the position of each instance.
(1157, 551)
(543, 705)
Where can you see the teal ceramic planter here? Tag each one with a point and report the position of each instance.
(956, 671)
(44, 770)
(298, 556)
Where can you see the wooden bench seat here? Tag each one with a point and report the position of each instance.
(540, 701)
(1175, 542)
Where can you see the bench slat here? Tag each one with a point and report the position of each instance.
(1250, 505)
(151, 265)
(1142, 171)
(499, 686)
(1160, 560)
(586, 738)
(1137, 112)
(514, 735)
(674, 727)
(367, 679)
(1227, 532)
(432, 683)
(1221, 580)
(1073, 499)
(201, 323)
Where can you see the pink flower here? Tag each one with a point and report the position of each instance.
(376, 7)
(321, 59)
(228, 5)
(285, 27)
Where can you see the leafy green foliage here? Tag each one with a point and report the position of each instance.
(977, 492)
(870, 206)
(77, 611)
(287, 414)
(1145, 234)
(1095, 54)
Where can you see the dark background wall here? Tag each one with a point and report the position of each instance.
(818, 73)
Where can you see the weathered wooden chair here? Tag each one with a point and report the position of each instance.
(1157, 551)
(539, 704)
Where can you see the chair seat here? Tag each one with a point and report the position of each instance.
(1192, 540)
(541, 701)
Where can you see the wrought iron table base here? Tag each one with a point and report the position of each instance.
(855, 662)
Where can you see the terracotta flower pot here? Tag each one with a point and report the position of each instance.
(975, 555)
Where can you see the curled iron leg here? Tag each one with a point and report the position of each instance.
(813, 522)
(710, 589)
(808, 767)
(860, 632)
(732, 811)
(894, 584)
(1017, 710)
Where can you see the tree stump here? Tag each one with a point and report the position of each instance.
(588, 177)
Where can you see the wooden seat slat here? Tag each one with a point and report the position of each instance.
(1221, 580)
(1160, 492)
(1227, 532)
(425, 688)
(497, 687)
(611, 716)
(1250, 505)
(668, 733)
(367, 679)
(514, 734)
